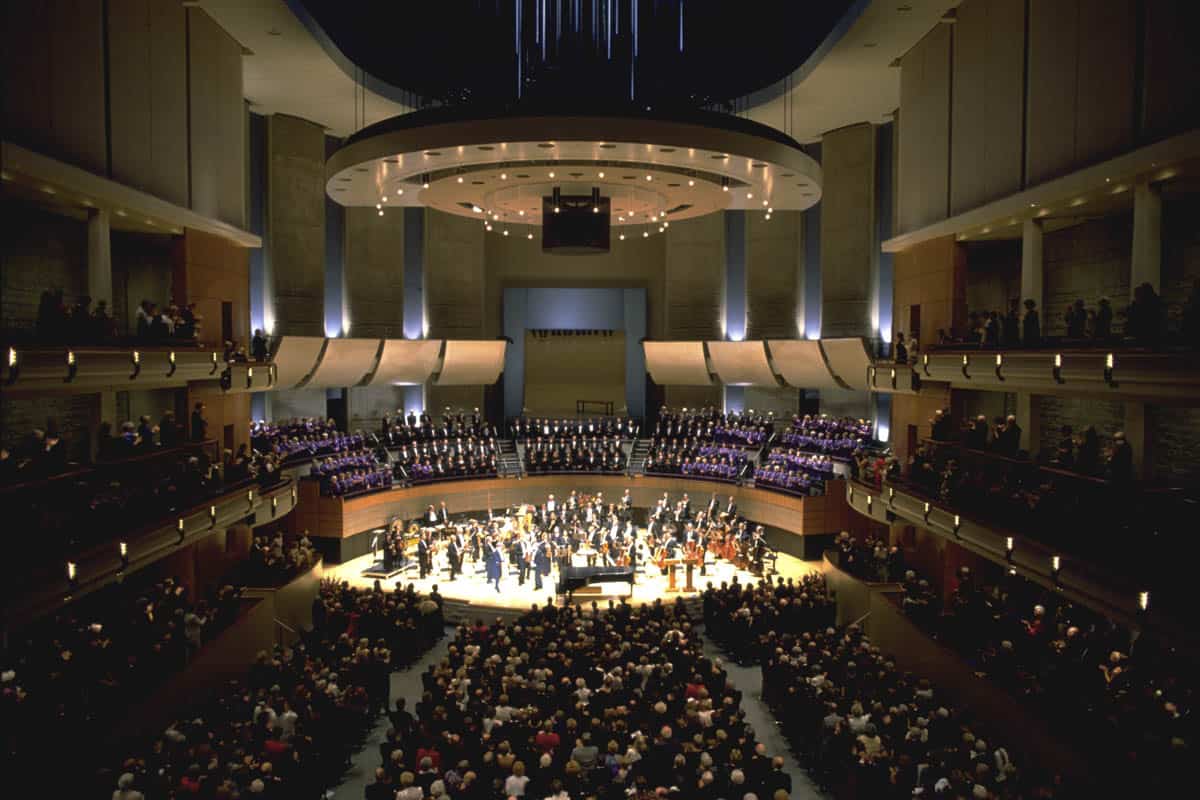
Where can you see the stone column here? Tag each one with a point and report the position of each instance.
(1032, 265)
(1145, 266)
(99, 258)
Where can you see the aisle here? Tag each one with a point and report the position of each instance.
(405, 683)
(749, 681)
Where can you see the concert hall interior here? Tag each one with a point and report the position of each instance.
(613, 399)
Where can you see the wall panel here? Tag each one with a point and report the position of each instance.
(988, 102)
(218, 137)
(695, 269)
(1104, 108)
(374, 249)
(1052, 82)
(148, 96)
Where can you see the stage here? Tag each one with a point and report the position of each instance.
(472, 589)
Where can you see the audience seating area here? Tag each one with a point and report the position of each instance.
(1122, 696)
(587, 703)
(863, 727)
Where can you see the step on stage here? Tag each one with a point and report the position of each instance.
(472, 587)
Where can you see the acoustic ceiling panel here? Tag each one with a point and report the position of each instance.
(741, 363)
(468, 363)
(801, 363)
(677, 363)
(346, 363)
(295, 358)
(849, 360)
(407, 362)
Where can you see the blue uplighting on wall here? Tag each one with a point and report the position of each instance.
(734, 323)
(812, 262)
(884, 189)
(257, 219)
(414, 273)
(336, 321)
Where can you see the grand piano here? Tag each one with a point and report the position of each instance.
(573, 578)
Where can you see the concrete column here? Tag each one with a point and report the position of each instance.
(295, 226)
(1145, 266)
(1032, 266)
(99, 257)
(1137, 433)
(848, 232)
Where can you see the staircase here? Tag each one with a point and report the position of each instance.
(508, 459)
(637, 456)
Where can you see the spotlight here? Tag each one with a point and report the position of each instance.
(506, 232)
(766, 216)
(556, 209)
(460, 178)
(601, 174)
(645, 234)
(529, 236)
(749, 195)
(521, 212)
(378, 206)
(649, 177)
(381, 212)
(551, 173)
(385, 198)
(503, 176)
(764, 202)
(691, 183)
(595, 209)
(621, 237)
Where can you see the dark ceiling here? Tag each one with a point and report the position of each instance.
(466, 51)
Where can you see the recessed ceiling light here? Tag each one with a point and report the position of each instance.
(691, 183)
(649, 177)
(460, 179)
(529, 236)
(601, 174)
(503, 176)
(645, 234)
(521, 212)
(551, 173)
(749, 195)
(506, 232)
(764, 202)
(622, 237)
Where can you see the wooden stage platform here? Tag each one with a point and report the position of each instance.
(471, 593)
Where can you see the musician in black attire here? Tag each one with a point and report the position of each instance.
(424, 555)
(454, 556)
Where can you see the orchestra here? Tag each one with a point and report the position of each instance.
(580, 529)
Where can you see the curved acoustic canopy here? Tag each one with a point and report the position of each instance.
(741, 363)
(677, 363)
(801, 363)
(849, 360)
(295, 358)
(405, 362)
(345, 363)
(470, 363)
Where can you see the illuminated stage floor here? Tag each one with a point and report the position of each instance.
(472, 588)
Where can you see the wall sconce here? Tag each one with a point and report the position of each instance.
(213, 359)
(249, 377)
(135, 359)
(891, 496)
(927, 512)
(1055, 568)
(72, 367)
(293, 495)
(957, 525)
(1012, 571)
(871, 377)
(893, 377)
(1109, 363)
(1143, 602)
(1008, 549)
(850, 493)
(212, 516)
(966, 362)
(250, 497)
(179, 528)
(870, 501)
(171, 361)
(925, 363)
(274, 505)
(1057, 368)
(999, 365)
(14, 366)
(272, 374)
(123, 549)
(72, 573)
